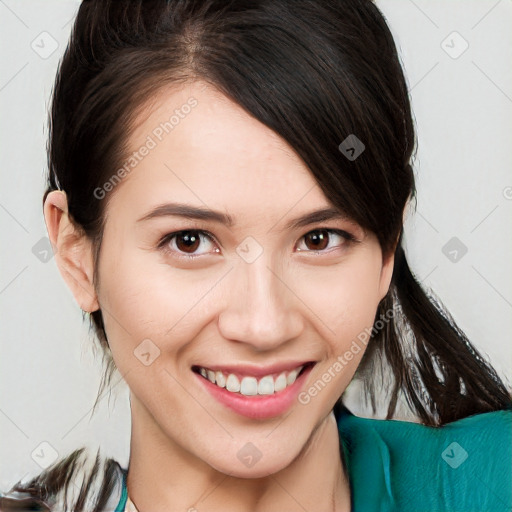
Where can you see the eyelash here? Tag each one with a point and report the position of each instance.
(163, 243)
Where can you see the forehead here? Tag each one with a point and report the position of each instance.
(199, 146)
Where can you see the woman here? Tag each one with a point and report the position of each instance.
(226, 194)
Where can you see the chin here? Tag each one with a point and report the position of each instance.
(249, 462)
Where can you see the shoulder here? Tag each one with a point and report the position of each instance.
(463, 465)
(79, 481)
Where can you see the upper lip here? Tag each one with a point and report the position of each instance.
(255, 371)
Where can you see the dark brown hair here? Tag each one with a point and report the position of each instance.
(314, 71)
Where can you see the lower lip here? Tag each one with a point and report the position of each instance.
(257, 406)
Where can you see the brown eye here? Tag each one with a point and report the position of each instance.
(187, 241)
(185, 244)
(319, 240)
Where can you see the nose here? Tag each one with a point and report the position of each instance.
(260, 306)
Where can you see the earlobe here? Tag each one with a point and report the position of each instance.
(388, 264)
(386, 274)
(73, 251)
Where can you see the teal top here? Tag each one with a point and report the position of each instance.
(393, 465)
(463, 466)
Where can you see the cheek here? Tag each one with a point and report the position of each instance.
(347, 304)
(344, 298)
(155, 302)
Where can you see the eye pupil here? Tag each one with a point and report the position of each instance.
(319, 238)
(190, 239)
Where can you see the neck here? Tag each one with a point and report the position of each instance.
(162, 476)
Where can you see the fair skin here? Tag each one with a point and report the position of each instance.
(293, 303)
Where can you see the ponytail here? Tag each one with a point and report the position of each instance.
(76, 483)
(440, 373)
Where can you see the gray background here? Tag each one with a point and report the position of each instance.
(462, 102)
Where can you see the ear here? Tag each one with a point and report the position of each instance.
(73, 250)
(386, 274)
(388, 263)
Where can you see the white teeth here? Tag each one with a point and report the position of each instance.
(292, 376)
(280, 382)
(266, 386)
(250, 386)
(232, 383)
(221, 380)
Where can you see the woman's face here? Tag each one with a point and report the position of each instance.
(253, 301)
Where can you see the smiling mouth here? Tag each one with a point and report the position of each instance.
(248, 385)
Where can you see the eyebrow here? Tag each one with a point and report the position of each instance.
(198, 213)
